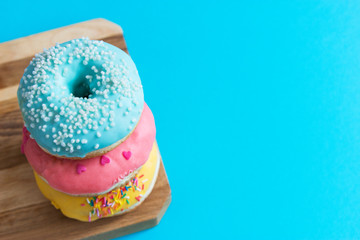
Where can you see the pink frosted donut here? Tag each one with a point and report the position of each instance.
(99, 174)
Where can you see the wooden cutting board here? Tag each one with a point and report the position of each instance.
(24, 212)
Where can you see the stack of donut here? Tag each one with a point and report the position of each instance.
(88, 134)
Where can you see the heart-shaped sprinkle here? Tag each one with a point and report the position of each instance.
(126, 154)
(104, 160)
(25, 137)
(80, 168)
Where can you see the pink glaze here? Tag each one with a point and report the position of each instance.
(24, 139)
(98, 174)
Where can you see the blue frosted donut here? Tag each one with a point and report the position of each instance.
(79, 97)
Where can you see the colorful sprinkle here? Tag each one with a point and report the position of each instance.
(126, 154)
(107, 204)
(80, 168)
(104, 160)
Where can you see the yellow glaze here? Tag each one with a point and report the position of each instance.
(116, 202)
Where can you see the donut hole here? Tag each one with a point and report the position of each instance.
(82, 81)
(81, 89)
(79, 84)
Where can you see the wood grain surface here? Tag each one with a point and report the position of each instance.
(24, 212)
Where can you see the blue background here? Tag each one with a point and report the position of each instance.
(256, 105)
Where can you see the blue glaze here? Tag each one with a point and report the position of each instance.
(80, 96)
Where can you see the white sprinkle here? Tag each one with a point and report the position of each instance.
(96, 146)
